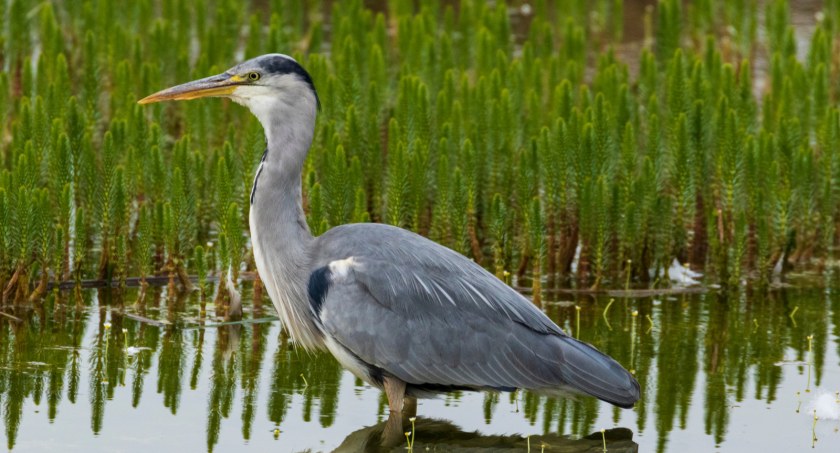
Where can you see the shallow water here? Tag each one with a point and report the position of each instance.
(718, 374)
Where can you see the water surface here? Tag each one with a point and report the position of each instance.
(718, 373)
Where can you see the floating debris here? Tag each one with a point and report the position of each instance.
(682, 275)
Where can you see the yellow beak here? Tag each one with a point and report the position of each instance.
(218, 85)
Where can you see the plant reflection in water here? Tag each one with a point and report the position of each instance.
(709, 363)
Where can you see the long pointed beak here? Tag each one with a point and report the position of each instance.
(218, 85)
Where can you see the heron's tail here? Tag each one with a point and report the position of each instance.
(590, 371)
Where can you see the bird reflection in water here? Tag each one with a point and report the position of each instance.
(432, 434)
(442, 435)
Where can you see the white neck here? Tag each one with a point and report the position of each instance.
(279, 233)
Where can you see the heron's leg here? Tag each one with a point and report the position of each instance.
(395, 390)
(410, 406)
(393, 431)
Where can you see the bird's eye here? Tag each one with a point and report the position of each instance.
(254, 76)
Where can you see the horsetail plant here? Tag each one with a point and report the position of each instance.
(455, 124)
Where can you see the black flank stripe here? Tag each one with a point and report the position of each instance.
(319, 285)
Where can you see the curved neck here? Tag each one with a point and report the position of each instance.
(277, 196)
(279, 232)
(277, 185)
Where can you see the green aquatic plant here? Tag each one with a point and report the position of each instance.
(604, 314)
(143, 248)
(200, 265)
(515, 142)
(409, 436)
(536, 247)
(668, 27)
(604, 439)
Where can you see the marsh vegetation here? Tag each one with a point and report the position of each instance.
(531, 137)
(563, 145)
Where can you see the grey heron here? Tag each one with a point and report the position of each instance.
(399, 311)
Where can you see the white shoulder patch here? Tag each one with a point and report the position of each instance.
(340, 269)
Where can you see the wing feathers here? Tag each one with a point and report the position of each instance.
(434, 319)
(592, 372)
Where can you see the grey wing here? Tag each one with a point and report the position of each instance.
(436, 320)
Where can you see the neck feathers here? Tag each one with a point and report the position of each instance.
(279, 233)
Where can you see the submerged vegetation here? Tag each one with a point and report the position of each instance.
(516, 134)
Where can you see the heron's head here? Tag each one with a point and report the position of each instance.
(269, 85)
